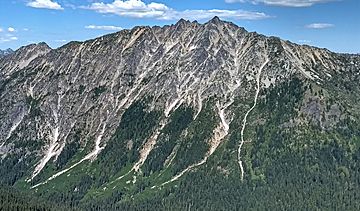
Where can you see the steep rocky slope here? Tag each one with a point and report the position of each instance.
(140, 109)
(6, 52)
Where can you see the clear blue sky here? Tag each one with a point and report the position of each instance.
(332, 24)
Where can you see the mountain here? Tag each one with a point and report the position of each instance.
(6, 52)
(185, 116)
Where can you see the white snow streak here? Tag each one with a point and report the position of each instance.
(15, 124)
(222, 117)
(199, 104)
(97, 148)
(220, 132)
(219, 135)
(54, 138)
(123, 104)
(171, 157)
(258, 80)
(145, 151)
(89, 156)
(170, 107)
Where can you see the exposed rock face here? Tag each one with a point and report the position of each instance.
(52, 98)
(6, 52)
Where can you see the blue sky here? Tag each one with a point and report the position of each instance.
(332, 24)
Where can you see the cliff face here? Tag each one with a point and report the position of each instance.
(6, 52)
(141, 101)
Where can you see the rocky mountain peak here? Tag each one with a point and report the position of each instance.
(42, 46)
(216, 20)
(182, 22)
(149, 100)
(6, 52)
(23, 56)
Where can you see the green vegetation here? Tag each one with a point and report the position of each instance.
(171, 135)
(82, 89)
(137, 124)
(97, 91)
(194, 146)
(12, 199)
(292, 161)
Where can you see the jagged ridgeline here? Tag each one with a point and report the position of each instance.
(187, 116)
(6, 52)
